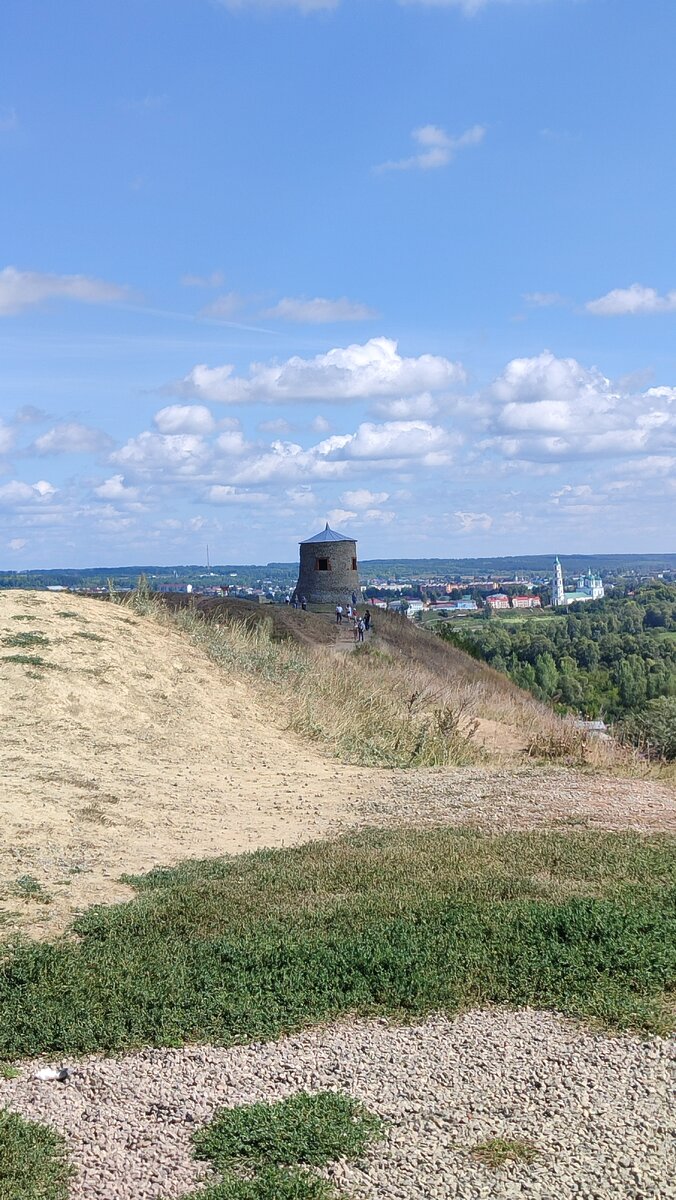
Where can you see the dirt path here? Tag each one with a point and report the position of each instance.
(121, 752)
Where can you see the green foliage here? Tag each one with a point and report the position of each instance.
(25, 639)
(604, 658)
(653, 729)
(249, 948)
(33, 1163)
(308, 1129)
(270, 1184)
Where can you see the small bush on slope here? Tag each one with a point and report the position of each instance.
(33, 1162)
(270, 1184)
(251, 947)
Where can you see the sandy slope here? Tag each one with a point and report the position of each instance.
(123, 754)
(132, 749)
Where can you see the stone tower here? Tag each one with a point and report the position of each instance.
(328, 568)
(558, 594)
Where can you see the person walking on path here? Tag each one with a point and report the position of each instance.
(367, 620)
(354, 599)
(349, 612)
(339, 614)
(303, 604)
(362, 628)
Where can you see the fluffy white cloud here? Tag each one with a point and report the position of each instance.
(320, 311)
(6, 437)
(16, 494)
(71, 438)
(546, 407)
(22, 289)
(232, 443)
(404, 408)
(437, 148)
(630, 301)
(392, 439)
(17, 544)
(340, 516)
(226, 494)
(470, 522)
(184, 418)
(355, 372)
(363, 498)
(179, 454)
(116, 489)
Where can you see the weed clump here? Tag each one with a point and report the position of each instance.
(496, 1152)
(25, 639)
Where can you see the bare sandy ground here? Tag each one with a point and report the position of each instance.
(129, 749)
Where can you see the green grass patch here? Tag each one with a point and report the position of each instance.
(496, 1152)
(270, 1184)
(26, 660)
(311, 1130)
(27, 887)
(7, 1071)
(400, 923)
(73, 615)
(33, 1164)
(91, 637)
(23, 617)
(23, 640)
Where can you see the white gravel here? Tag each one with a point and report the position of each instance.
(598, 1109)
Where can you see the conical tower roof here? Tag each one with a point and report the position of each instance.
(327, 535)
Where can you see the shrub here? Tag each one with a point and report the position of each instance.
(33, 1164)
(653, 729)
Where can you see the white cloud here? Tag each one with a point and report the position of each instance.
(116, 489)
(17, 544)
(21, 289)
(470, 522)
(184, 418)
(6, 437)
(232, 443)
(631, 301)
(339, 516)
(404, 408)
(180, 454)
(214, 280)
(320, 424)
(392, 439)
(551, 408)
(223, 307)
(363, 498)
(355, 372)
(437, 148)
(225, 494)
(16, 494)
(71, 438)
(468, 7)
(384, 516)
(320, 311)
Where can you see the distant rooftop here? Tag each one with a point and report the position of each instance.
(327, 535)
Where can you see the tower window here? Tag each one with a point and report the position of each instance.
(322, 564)
(354, 564)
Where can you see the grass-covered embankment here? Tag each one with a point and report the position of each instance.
(406, 922)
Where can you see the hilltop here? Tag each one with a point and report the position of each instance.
(127, 745)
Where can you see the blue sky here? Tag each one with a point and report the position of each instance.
(408, 266)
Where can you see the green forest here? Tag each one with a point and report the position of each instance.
(613, 659)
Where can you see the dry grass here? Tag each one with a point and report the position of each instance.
(404, 699)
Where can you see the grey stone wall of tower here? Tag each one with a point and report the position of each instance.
(328, 571)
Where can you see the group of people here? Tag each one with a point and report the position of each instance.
(360, 624)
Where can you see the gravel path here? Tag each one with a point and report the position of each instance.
(596, 1108)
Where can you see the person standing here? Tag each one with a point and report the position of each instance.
(339, 614)
(362, 628)
(354, 599)
(367, 620)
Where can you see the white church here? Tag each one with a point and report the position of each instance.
(587, 587)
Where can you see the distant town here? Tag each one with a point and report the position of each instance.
(442, 587)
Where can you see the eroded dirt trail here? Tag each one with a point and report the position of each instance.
(127, 748)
